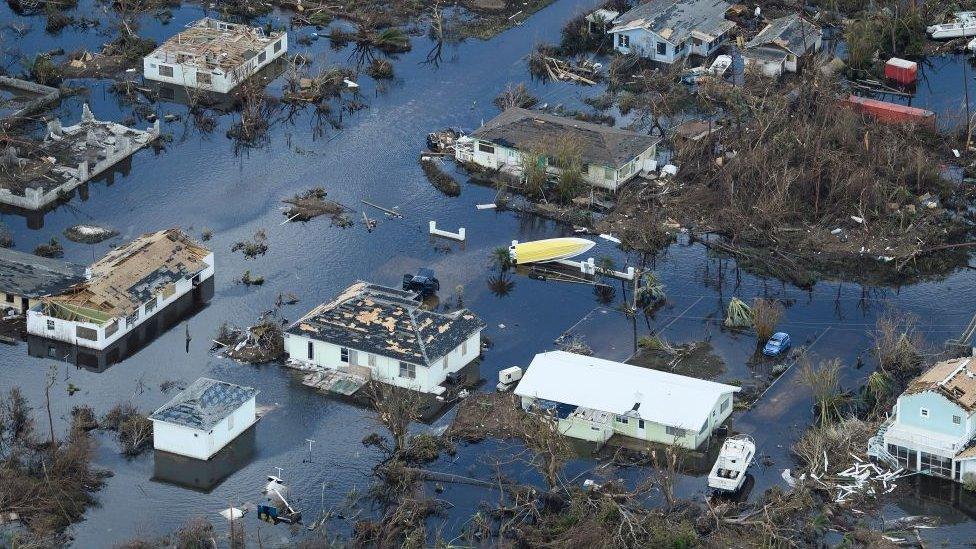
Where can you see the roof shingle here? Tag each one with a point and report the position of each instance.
(204, 404)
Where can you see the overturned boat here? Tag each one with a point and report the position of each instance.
(550, 249)
(729, 472)
(963, 24)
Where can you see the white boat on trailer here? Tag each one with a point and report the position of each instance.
(729, 472)
(963, 24)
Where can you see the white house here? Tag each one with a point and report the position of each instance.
(25, 278)
(781, 44)
(594, 399)
(599, 21)
(204, 418)
(127, 287)
(610, 156)
(213, 55)
(669, 30)
(381, 333)
(933, 425)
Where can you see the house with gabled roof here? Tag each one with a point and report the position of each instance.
(667, 31)
(203, 418)
(933, 426)
(609, 156)
(781, 44)
(381, 333)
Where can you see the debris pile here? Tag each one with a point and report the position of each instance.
(258, 344)
(310, 204)
(89, 234)
(438, 177)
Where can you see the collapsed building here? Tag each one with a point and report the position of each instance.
(25, 278)
(214, 55)
(132, 285)
(45, 171)
(22, 98)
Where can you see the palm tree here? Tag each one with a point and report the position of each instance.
(501, 284)
(501, 258)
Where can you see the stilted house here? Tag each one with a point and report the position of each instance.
(609, 157)
(130, 286)
(25, 278)
(667, 31)
(782, 44)
(594, 399)
(933, 426)
(214, 55)
(205, 417)
(376, 332)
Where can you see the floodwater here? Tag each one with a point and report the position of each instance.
(198, 181)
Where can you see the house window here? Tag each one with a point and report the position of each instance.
(408, 370)
(936, 465)
(262, 56)
(150, 305)
(204, 78)
(623, 40)
(957, 420)
(131, 319)
(640, 423)
(924, 412)
(86, 333)
(10, 298)
(486, 148)
(166, 70)
(343, 354)
(725, 404)
(662, 48)
(622, 419)
(112, 328)
(277, 46)
(675, 431)
(50, 324)
(906, 458)
(371, 360)
(311, 351)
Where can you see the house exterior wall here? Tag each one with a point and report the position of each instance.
(596, 175)
(771, 69)
(383, 368)
(644, 43)
(108, 333)
(221, 81)
(936, 433)
(198, 444)
(645, 430)
(15, 301)
(940, 414)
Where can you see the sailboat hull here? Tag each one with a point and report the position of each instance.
(551, 249)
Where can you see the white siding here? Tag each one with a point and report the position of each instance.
(221, 82)
(197, 444)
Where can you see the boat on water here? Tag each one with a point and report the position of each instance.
(962, 24)
(729, 472)
(550, 249)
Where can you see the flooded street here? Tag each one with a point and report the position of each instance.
(197, 181)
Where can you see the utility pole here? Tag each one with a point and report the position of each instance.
(310, 442)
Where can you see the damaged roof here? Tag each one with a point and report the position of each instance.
(204, 404)
(791, 33)
(388, 322)
(674, 20)
(213, 44)
(954, 379)
(32, 276)
(602, 145)
(131, 274)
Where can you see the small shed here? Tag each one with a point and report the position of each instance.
(205, 417)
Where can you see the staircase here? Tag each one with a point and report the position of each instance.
(877, 449)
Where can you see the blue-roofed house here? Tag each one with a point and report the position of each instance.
(204, 418)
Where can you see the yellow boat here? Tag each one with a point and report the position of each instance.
(550, 249)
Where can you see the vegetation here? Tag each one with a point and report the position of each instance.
(52, 248)
(765, 316)
(515, 96)
(133, 429)
(257, 245)
(439, 178)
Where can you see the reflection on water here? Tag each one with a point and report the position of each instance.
(205, 475)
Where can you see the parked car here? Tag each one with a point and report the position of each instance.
(777, 344)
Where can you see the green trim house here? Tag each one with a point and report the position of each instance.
(610, 156)
(593, 399)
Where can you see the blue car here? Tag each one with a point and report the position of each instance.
(777, 344)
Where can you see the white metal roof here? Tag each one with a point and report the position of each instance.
(589, 382)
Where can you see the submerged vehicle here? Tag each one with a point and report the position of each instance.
(729, 472)
(424, 282)
(550, 249)
(963, 24)
(777, 344)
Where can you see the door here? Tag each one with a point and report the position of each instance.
(641, 430)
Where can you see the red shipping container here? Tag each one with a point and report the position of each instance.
(901, 71)
(883, 111)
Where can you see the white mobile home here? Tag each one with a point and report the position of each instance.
(214, 55)
(933, 426)
(381, 333)
(204, 418)
(610, 156)
(666, 31)
(594, 399)
(779, 47)
(127, 287)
